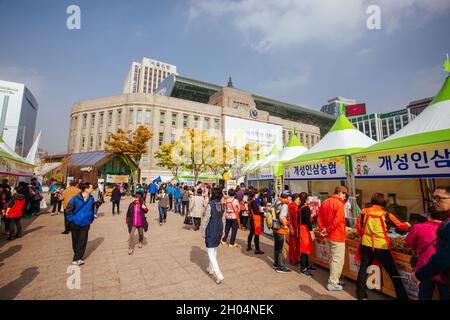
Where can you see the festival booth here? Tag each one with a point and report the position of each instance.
(326, 164)
(293, 149)
(12, 166)
(265, 171)
(421, 150)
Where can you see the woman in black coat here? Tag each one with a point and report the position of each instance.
(136, 220)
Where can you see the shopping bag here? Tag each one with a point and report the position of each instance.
(43, 204)
(189, 220)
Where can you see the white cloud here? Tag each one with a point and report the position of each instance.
(273, 24)
(284, 83)
(30, 77)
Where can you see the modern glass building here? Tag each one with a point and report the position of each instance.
(379, 126)
(18, 112)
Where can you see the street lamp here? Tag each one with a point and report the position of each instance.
(23, 134)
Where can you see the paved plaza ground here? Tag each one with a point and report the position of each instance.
(171, 265)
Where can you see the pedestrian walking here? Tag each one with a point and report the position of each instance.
(14, 213)
(80, 214)
(57, 199)
(185, 200)
(136, 220)
(331, 222)
(374, 244)
(169, 190)
(97, 199)
(177, 195)
(256, 223)
(67, 195)
(212, 229)
(197, 208)
(232, 208)
(116, 196)
(153, 189)
(51, 188)
(163, 206)
(245, 209)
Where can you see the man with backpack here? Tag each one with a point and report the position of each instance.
(439, 263)
(80, 214)
(280, 229)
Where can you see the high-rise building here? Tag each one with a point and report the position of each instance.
(417, 106)
(146, 76)
(379, 126)
(18, 112)
(333, 106)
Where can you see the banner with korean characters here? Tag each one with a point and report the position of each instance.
(431, 160)
(320, 250)
(278, 186)
(405, 271)
(15, 168)
(353, 265)
(252, 176)
(325, 169)
(266, 173)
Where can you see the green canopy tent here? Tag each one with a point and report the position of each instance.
(11, 164)
(419, 152)
(328, 159)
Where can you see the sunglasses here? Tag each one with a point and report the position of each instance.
(438, 199)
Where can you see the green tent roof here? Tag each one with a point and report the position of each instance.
(420, 130)
(294, 142)
(342, 123)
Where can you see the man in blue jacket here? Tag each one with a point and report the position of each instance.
(153, 189)
(439, 263)
(169, 191)
(80, 214)
(177, 196)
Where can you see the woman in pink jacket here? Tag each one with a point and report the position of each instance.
(422, 239)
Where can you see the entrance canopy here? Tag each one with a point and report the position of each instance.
(327, 159)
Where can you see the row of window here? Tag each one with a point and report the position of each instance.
(388, 126)
(141, 116)
(303, 137)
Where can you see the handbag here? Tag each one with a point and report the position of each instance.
(188, 220)
(415, 257)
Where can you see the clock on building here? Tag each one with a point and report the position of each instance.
(254, 113)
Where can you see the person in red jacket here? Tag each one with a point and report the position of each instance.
(14, 213)
(294, 234)
(331, 222)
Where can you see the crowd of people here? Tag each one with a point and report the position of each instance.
(221, 214)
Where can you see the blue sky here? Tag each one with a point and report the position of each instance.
(298, 51)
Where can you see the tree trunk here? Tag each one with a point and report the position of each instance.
(138, 175)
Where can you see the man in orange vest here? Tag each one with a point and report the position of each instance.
(331, 222)
(374, 244)
(281, 234)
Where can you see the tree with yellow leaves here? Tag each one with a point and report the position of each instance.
(131, 144)
(166, 159)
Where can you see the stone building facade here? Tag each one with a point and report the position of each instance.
(92, 121)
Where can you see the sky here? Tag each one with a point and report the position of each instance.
(298, 51)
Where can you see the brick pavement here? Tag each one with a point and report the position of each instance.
(171, 265)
